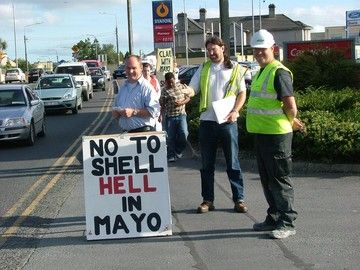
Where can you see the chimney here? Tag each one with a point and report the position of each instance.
(182, 17)
(271, 11)
(202, 12)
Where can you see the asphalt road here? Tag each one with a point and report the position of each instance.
(42, 227)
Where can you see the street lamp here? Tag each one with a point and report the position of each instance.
(116, 34)
(57, 56)
(96, 43)
(25, 39)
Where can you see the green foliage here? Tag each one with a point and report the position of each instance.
(332, 119)
(90, 50)
(324, 68)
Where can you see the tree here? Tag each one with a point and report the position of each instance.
(85, 49)
(3, 45)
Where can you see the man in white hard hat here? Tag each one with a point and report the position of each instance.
(271, 117)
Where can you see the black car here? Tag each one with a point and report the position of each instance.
(119, 72)
(98, 78)
(35, 74)
(186, 73)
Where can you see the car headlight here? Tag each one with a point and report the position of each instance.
(80, 82)
(101, 80)
(68, 96)
(15, 122)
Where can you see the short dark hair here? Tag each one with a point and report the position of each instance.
(146, 64)
(169, 76)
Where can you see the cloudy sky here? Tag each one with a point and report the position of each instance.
(65, 22)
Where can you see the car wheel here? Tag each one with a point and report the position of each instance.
(30, 141)
(85, 96)
(75, 110)
(42, 132)
(81, 101)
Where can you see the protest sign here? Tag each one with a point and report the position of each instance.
(126, 186)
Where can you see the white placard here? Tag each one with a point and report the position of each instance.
(126, 186)
(223, 107)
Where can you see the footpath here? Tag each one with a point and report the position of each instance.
(328, 235)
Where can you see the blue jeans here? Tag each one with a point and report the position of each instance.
(210, 134)
(177, 133)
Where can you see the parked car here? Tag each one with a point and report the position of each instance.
(59, 92)
(98, 78)
(186, 73)
(119, 72)
(92, 63)
(81, 73)
(2, 75)
(252, 69)
(22, 114)
(14, 75)
(35, 74)
(106, 72)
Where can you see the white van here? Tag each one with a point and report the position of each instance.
(81, 73)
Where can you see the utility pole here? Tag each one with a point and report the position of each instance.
(130, 27)
(225, 23)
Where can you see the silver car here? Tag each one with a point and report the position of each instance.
(22, 114)
(59, 92)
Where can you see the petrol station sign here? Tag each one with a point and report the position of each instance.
(163, 24)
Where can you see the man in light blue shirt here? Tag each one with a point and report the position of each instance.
(136, 105)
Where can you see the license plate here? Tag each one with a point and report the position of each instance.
(53, 103)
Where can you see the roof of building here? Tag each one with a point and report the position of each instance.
(273, 23)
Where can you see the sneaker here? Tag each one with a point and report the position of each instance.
(263, 226)
(171, 159)
(205, 207)
(240, 207)
(282, 233)
(180, 155)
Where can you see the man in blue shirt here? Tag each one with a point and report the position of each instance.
(136, 105)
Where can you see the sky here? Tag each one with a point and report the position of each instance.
(63, 23)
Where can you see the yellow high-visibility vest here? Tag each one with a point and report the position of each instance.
(265, 114)
(204, 84)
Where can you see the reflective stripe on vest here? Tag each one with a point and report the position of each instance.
(265, 114)
(205, 85)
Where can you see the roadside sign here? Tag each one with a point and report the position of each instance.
(353, 17)
(345, 46)
(164, 64)
(163, 24)
(126, 186)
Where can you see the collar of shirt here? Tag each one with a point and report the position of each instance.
(139, 81)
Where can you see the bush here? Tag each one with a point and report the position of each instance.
(324, 68)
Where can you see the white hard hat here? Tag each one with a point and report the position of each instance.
(262, 39)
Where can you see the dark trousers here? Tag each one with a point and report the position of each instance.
(210, 134)
(275, 164)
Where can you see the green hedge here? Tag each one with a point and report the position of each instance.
(332, 119)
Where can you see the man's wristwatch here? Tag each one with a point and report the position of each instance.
(135, 112)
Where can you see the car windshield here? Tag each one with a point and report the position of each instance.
(95, 72)
(74, 70)
(12, 97)
(12, 71)
(54, 82)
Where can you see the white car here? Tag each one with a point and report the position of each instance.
(59, 92)
(14, 75)
(22, 114)
(106, 72)
(81, 73)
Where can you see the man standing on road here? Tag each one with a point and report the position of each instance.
(271, 113)
(215, 79)
(137, 104)
(172, 101)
